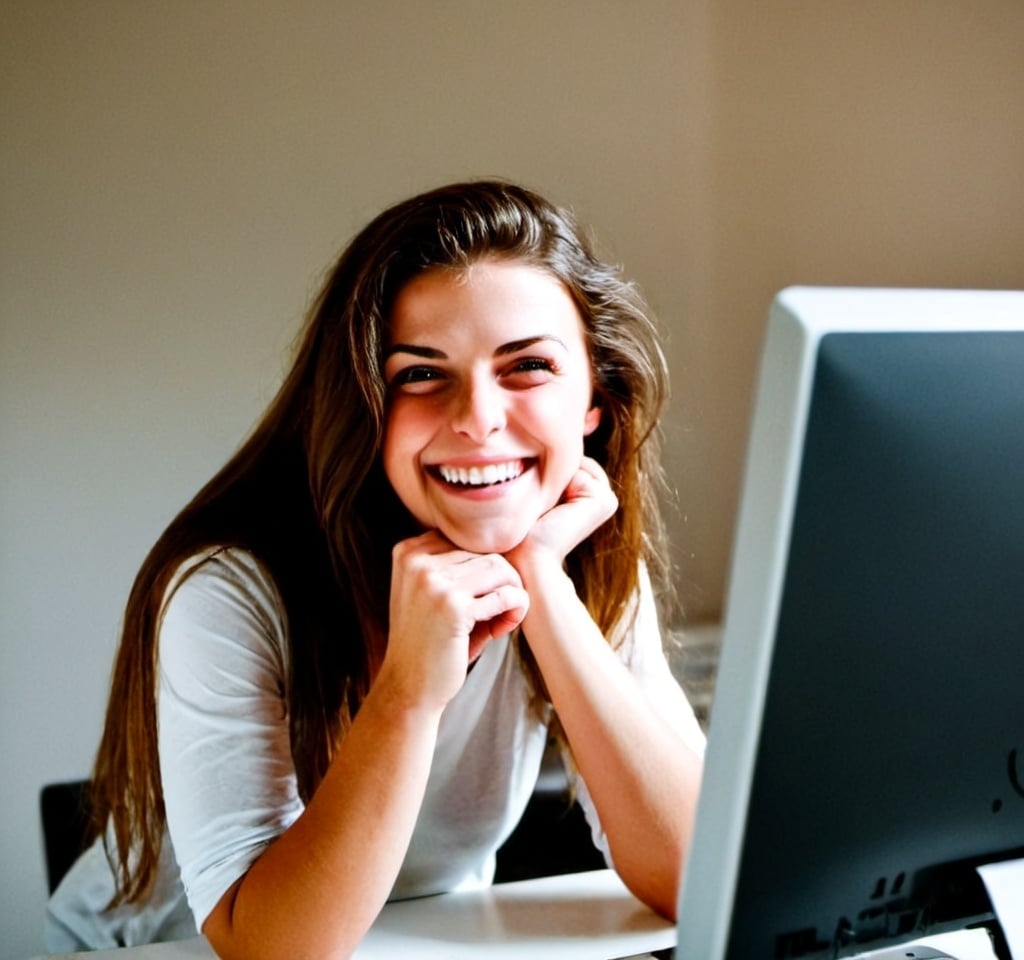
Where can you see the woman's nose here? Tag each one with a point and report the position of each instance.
(480, 410)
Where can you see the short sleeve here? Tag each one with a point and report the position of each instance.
(643, 653)
(225, 756)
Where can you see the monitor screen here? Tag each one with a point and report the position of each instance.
(866, 745)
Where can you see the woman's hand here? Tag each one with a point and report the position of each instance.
(588, 502)
(446, 605)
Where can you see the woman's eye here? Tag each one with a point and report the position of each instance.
(417, 379)
(533, 363)
(531, 371)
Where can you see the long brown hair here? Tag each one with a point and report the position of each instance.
(306, 493)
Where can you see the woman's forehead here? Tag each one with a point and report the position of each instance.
(501, 300)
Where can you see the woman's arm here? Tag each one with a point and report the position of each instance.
(640, 771)
(317, 888)
(638, 766)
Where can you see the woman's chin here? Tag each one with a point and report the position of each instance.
(490, 540)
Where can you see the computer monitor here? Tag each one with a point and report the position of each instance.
(866, 744)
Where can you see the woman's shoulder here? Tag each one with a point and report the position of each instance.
(222, 562)
(638, 630)
(225, 593)
(224, 571)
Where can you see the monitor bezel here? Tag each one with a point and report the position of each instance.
(800, 317)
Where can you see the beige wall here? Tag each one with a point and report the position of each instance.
(874, 142)
(174, 176)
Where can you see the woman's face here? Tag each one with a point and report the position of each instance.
(489, 399)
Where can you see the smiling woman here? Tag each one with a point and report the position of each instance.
(484, 439)
(459, 471)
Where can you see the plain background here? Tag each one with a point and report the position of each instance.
(176, 175)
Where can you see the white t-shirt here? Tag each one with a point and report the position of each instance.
(229, 780)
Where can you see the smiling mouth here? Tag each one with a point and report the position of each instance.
(487, 475)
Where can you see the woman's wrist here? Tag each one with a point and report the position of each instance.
(538, 568)
(400, 693)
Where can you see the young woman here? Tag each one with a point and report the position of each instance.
(341, 662)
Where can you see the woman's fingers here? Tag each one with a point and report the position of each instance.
(446, 605)
(497, 614)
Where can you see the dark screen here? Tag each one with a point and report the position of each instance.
(891, 757)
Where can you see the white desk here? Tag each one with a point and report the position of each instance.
(583, 916)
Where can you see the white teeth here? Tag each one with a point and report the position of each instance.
(482, 476)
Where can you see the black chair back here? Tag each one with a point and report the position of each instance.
(65, 811)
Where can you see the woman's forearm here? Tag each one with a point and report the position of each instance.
(317, 889)
(639, 771)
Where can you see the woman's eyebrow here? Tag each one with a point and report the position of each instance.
(432, 353)
(516, 345)
(429, 353)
